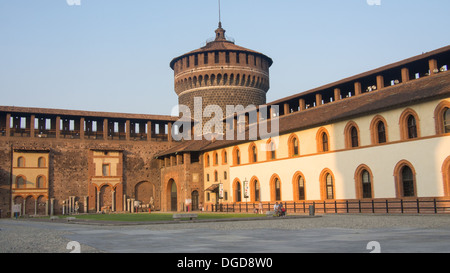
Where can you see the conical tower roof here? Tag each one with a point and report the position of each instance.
(220, 43)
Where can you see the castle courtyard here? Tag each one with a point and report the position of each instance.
(327, 233)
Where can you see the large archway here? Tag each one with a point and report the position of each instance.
(144, 192)
(173, 195)
(41, 205)
(105, 197)
(194, 198)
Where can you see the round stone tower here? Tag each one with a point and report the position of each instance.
(222, 74)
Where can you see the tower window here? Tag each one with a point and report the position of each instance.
(324, 142)
(301, 188)
(412, 127)
(329, 187)
(407, 181)
(447, 121)
(366, 185)
(216, 57)
(354, 137)
(381, 132)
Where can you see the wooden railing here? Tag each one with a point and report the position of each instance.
(416, 205)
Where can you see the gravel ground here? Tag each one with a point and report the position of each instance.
(29, 236)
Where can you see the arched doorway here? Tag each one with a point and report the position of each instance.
(30, 205)
(173, 195)
(42, 207)
(105, 197)
(144, 192)
(194, 198)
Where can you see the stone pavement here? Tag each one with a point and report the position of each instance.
(298, 235)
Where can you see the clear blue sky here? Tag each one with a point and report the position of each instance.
(114, 55)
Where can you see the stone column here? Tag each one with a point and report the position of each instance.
(69, 205)
(35, 206)
(85, 204)
(127, 129)
(380, 82)
(12, 208)
(32, 125)
(98, 201)
(52, 206)
(318, 99)
(358, 88)
(105, 129)
(286, 108)
(58, 126)
(149, 131)
(46, 207)
(82, 120)
(302, 104)
(8, 125)
(433, 66)
(169, 132)
(405, 74)
(337, 94)
(113, 205)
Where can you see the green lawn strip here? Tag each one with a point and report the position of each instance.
(142, 217)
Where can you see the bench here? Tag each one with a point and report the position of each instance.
(53, 218)
(270, 213)
(70, 219)
(185, 215)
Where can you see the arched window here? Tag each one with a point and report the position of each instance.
(224, 157)
(277, 190)
(447, 120)
(354, 137)
(324, 142)
(207, 160)
(366, 184)
(252, 153)
(216, 159)
(405, 179)
(378, 130)
(21, 162)
(301, 187)
(381, 132)
(409, 124)
(442, 117)
(20, 182)
(236, 156)
(40, 183)
(41, 162)
(293, 146)
(329, 187)
(351, 133)
(407, 182)
(237, 192)
(271, 150)
(256, 191)
(412, 127)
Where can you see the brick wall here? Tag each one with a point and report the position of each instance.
(69, 168)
